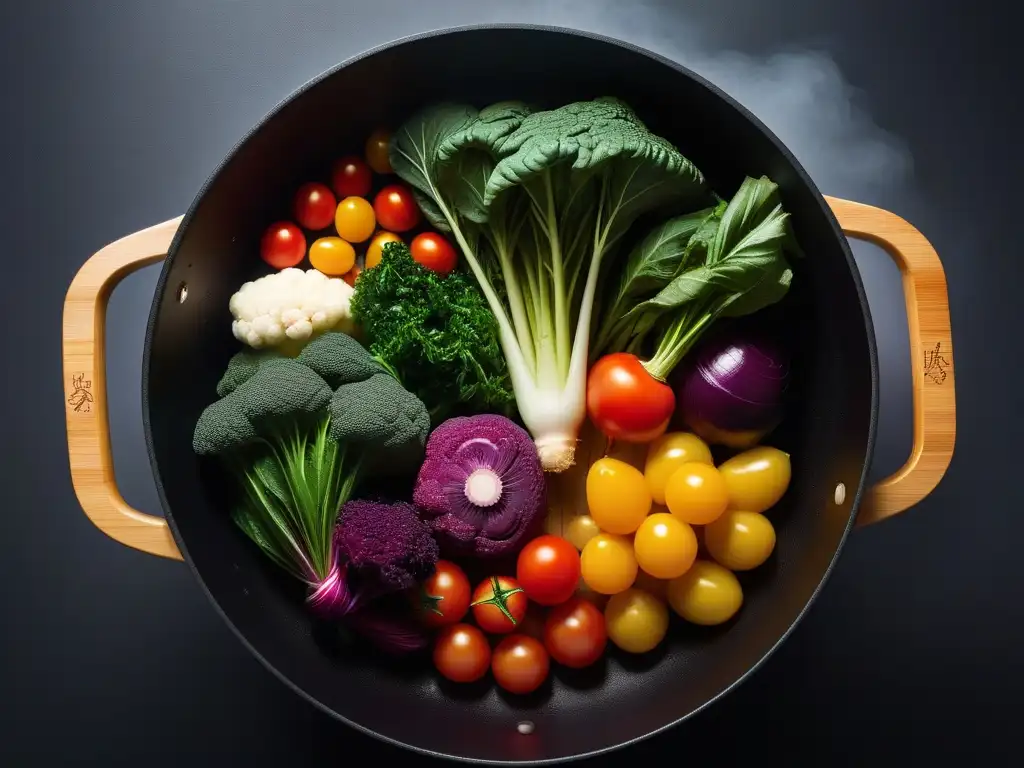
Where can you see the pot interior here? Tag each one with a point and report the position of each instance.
(826, 430)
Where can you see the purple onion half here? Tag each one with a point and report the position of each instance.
(732, 392)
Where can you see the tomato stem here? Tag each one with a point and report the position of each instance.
(499, 599)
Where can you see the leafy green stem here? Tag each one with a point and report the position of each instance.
(676, 342)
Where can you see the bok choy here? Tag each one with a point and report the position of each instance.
(537, 201)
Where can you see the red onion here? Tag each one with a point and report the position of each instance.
(732, 393)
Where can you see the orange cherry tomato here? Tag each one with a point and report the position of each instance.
(283, 245)
(332, 256)
(461, 653)
(375, 250)
(499, 604)
(314, 206)
(433, 252)
(625, 402)
(351, 177)
(377, 147)
(520, 664)
(354, 219)
(396, 208)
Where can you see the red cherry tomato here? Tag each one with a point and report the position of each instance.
(520, 664)
(625, 402)
(549, 570)
(574, 633)
(351, 177)
(396, 208)
(433, 252)
(461, 653)
(350, 276)
(444, 596)
(314, 206)
(499, 604)
(283, 245)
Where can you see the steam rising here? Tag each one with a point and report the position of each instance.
(800, 95)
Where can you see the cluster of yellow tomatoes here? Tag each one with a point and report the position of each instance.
(640, 542)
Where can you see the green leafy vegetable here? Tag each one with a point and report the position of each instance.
(536, 201)
(435, 333)
(298, 446)
(742, 270)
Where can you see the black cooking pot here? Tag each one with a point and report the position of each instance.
(829, 431)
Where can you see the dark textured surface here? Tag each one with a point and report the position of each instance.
(118, 111)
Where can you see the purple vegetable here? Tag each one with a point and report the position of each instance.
(481, 486)
(732, 393)
(380, 549)
(392, 632)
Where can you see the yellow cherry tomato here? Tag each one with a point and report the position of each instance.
(696, 493)
(377, 147)
(332, 256)
(669, 452)
(617, 496)
(646, 582)
(665, 546)
(740, 540)
(636, 620)
(608, 564)
(707, 594)
(580, 530)
(354, 219)
(756, 479)
(375, 249)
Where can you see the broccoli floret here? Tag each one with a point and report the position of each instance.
(379, 409)
(339, 359)
(386, 546)
(240, 367)
(278, 389)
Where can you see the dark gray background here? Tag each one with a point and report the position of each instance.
(115, 113)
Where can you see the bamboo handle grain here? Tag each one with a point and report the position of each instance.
(931, 354)
(85, 388)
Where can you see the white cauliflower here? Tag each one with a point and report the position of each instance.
(290, 305)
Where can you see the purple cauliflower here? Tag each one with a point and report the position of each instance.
(481, 486)
(386, 547)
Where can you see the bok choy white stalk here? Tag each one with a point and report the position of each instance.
(537, 201)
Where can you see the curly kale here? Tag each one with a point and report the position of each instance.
(435, 333)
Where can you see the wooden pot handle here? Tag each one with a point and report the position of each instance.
(931, 354)
(85, 386)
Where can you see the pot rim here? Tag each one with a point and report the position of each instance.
(803, 179)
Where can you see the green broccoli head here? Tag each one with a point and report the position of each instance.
(378, 412)
(339, 359)
(241, 367)
(278, 388)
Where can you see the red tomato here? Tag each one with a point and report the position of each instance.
(625, 402)
(574, 633)
(499, 604)
(461, 653)
(314, 206)
(396, 208)
(433, 252)
(350, 276)
(445, 595)
(283, 245)
(549, 570)
(520, 664)
(351, 177)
